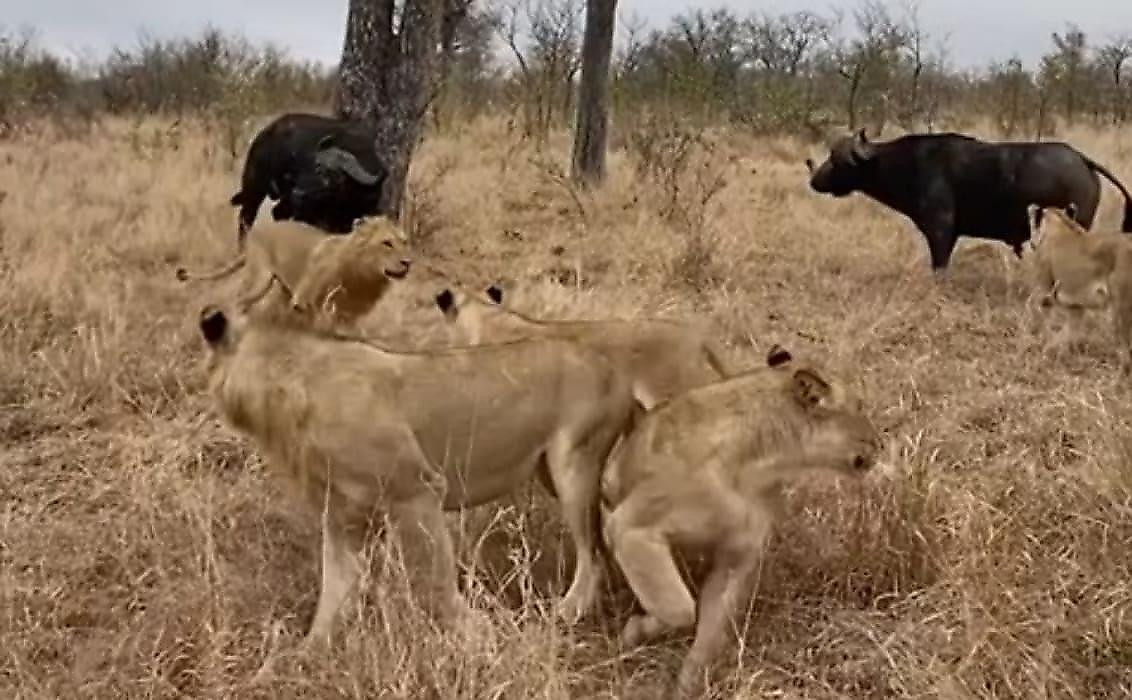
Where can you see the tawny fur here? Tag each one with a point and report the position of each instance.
(1079, 271)
(337, 277)
(348, 275)
(700, 473)
(371, 431)
(662, 357)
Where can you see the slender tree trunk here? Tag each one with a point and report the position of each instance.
(455, 11)
(389, 77)
(592, 127)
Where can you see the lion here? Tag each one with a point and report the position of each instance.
(342, 276)
(1079, 271)
(363, 429)
(701, 473)
(662, 357)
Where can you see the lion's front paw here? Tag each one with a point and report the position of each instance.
(639, 629)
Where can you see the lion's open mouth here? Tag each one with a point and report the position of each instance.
(397, 274)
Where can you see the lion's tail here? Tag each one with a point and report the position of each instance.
(184, 275)
(609, 490)
(712, 354)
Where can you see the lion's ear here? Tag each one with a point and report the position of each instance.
(213, 324)
(495, 294)
(809, 388)
(444, 300)
(777, 355)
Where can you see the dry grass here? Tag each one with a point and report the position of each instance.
(144, 553)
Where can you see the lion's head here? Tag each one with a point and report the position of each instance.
(466, 311)
(349, 274)
(839, 431)
(1075, 264)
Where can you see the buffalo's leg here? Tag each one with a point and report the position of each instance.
(937, 223)
(283, 209)
(941, 243)
(1087, 208)
(249, 207)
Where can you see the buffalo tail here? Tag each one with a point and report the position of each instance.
(1126, 225)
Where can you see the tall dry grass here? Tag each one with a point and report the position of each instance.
(143, 552)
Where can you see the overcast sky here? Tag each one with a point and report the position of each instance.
(980, 30)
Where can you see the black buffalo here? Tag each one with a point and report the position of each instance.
(320, 170)
(953, 185)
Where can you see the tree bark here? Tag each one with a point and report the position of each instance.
(591, 131)
(388, 76)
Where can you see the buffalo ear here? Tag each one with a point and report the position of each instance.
(862, 149)
(777, 355)
(495, 294)
(444, 300)
(213, 324)
(809, 389)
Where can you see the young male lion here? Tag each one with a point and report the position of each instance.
(1079, 271)
(700, 473)
(361, 429)
(340, 276)
(662, 357)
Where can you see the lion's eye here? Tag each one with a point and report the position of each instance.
(387, 244)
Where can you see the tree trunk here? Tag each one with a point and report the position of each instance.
(389, 77)
(592, 127)
(455, 12)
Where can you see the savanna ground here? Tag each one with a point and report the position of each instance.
(145, 553)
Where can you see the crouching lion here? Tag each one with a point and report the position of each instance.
(1079, 271)
(662, 357)
(341, 276)
(361, 429)
(701, 473)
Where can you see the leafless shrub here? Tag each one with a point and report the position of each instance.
(544, 37)
(420, 215)
(685, 166)
(687, 171)
(551, 171)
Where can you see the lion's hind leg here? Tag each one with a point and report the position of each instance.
(429, 557)
(341, 568)
(642, 530)
(727, 586)
(647, 563)
(575, 473)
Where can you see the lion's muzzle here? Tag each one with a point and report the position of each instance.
(399, 272)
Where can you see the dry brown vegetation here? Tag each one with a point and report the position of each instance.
(144, 553)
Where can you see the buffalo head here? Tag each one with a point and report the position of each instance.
(333, 170)
(843, 171)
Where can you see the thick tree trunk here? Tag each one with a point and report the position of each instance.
(591, 130)
(389, 77)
